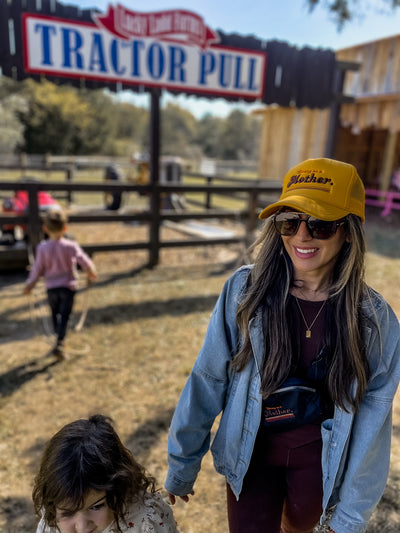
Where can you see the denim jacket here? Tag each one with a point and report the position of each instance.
(356, 447)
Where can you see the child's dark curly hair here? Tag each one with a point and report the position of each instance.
(88, 455)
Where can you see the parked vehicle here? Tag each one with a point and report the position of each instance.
(18, 205)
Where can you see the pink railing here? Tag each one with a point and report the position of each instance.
(385, 199)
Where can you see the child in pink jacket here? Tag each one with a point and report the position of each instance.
(56, 260)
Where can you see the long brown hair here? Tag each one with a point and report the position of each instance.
(86, 455)
(269, 287)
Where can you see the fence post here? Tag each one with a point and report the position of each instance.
(70, 173)
(208, 194)
(251, 218)
(23, 160)
(34, 225)
(155, 204)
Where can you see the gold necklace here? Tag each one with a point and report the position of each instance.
(308, 327)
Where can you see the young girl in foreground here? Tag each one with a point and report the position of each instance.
(88, 481)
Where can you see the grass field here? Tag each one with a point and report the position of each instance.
(142, 333)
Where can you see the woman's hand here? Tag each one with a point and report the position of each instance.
(172, 497)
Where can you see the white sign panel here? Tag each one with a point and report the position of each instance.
(170, 49)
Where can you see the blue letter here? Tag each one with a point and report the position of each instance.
(97, 54)
(156, 62)
(207, 66)
(68, 48)
(115, 58)
(177, 64)
(136, 45)
(237, 77)
(224, 80)
(46, 42)
(251, 75)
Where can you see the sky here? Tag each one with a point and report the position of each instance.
(284, 20)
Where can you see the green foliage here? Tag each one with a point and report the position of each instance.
(11, 104)
(344, 11)
(209, 135)
(241, 135)
(178, 130)
(43, 118)
(235, 137)
(63, 120)
(100, 130)
(53, 119)
(132, 125)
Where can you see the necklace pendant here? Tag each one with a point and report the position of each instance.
(308, 327)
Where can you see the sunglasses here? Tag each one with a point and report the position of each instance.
(287, 224)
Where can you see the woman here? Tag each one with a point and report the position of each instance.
(302, 315)
(89, 481)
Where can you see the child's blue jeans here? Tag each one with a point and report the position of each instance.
(61, 301)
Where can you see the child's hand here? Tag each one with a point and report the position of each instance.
(27, 289)
(172, 497)
(92, 276)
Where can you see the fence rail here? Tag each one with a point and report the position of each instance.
(252, 190)
(25, 161)
(388, 200)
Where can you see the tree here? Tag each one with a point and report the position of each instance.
(240, 136)
(99, 131)
(63, 120)
(178, 130)
(132, 126)
(344, 11)
(46, 118)
(132, 121)
(209, 135)
(11, 104)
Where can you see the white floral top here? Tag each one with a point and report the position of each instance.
(153, 515)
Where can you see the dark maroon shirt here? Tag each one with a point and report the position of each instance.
(307, 350)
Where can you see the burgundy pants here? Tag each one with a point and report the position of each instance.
(282, 490)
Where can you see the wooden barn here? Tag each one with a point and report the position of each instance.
(367, 128)
(290, 135)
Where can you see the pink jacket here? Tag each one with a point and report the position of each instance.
(56, 260)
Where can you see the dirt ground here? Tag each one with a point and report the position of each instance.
(130, 361)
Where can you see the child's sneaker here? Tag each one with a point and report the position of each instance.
(59, 351)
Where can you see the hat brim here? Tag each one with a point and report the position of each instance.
(305, 205)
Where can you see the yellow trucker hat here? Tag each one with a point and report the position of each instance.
(323, 188)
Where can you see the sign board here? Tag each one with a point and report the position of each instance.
(171, 49)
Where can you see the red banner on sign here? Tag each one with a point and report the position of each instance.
(177, 25)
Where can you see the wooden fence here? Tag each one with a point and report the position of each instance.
(154, 215)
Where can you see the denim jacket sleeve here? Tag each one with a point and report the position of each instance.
(366, 465)
(204, 394)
